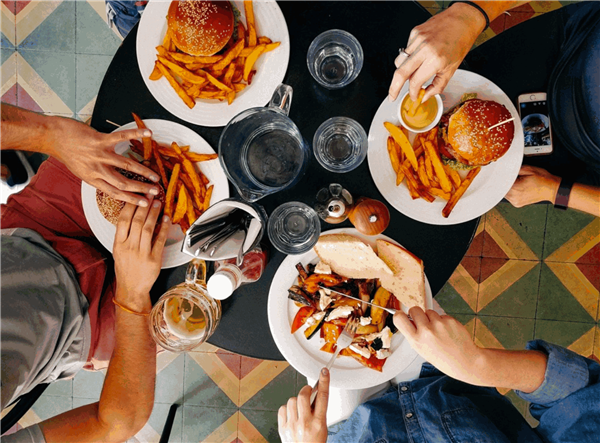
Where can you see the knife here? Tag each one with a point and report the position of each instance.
(390, 310)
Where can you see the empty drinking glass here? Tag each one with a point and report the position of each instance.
(340, 144)
(294, 228)
(335, 58)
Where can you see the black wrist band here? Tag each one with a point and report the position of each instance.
(562, 195)
(479, 8)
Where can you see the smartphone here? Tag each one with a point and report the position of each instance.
(533, 110)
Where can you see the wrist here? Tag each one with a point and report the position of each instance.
(138, 301)
(551, 188)
(474, 18)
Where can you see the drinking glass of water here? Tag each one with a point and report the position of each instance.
(335, 58)
(340, 144)
(294, 228)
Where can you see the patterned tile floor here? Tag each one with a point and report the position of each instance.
(530, 273)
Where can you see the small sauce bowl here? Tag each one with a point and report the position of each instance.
(433, 107)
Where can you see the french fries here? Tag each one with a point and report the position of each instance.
(147, 141)
(216, 77)
(186, 193)
(423, 171)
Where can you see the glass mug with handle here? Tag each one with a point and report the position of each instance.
(185, 316)
(262, 150)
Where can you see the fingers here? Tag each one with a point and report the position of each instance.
(432, 315)
(159, 243)
(131, 165)
(292, 410)
(117, 194)
(322, 396)
(122, 183)
(404, 325)
(304, 409)
(282, 417)
(124, 222)
(126, 135)
(137, 224)
(438, 85)
(402, 74)
(419, 317)
(148, 229)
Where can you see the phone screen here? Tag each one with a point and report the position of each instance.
(536, 123)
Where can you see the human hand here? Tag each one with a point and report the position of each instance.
(137, 260)
(533, 185)
(298, 423)
(441, 340)
(437, 48)
(90, 155)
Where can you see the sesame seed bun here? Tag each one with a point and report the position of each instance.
(111, 208)
(464, 134)
(200, 27)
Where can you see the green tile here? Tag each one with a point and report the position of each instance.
(265, 422)
(200, 389)
(93, 34)
(60, 388)
(451, 301)
(555, 302)
(46, 406)
(90, 72)
(519, 300)
(561, 333)
(55, 34)
(5, 43)
(529, 222)
(159, 417)
(301, 381)
(523, 407)
(275, 393)
(169, 382)
(464, 318)
(57, 69)
(199, 422)
(5, 54)
(88, 384)
(561, 226)
(512, 333)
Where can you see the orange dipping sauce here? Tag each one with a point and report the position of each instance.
(424, 115)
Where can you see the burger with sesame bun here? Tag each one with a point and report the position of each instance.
(111, 208)
(464, 138)
(200, 27)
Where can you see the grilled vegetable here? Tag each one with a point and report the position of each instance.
(312, 330)
(301, 317)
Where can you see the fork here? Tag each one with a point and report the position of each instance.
(343, 341)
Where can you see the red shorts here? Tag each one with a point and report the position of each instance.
(51, 206)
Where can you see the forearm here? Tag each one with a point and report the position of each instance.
(27, 131)
(518, 370)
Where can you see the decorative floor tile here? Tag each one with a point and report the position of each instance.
(557, 302)
(503, 332)
(46, 406)
(169, 379)
(8, 76)
(7, 24)
(88, 384)
(153, 430)
(523, 407)
(209, 425)
(567, 334)
(498, 275)
(47, 26)
(459, 294)
(212, 379)
(258, 427)
(569, 231)
(274, 393)
(90, 72)
(301, 381)
(93, 34)
(256, 374)
(476, 247)
(60, 388)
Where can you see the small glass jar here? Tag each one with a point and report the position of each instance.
(186, 315)
(228, 276)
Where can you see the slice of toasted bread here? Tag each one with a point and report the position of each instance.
(350, 257)
(408, 281)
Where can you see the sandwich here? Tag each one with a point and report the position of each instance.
(398, 271)
(464, 138)
(200, 27)
(111, 208)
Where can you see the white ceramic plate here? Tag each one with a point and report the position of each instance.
(164, 132)
(305, 355)
(489, 187)
(270, 68)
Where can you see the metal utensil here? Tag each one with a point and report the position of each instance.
(240, 255)
(227, 230)
(390, 310)
(343, 341)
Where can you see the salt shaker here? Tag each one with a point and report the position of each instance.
(334, 203)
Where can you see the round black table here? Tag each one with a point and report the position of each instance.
(381, 28)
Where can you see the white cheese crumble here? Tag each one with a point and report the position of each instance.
(362, 351)
(322, 268)
(324, 300)
(365, 321)
(385, 335)
(382, 353)
(341, 312)
(315, 318)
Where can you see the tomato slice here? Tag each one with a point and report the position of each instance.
(371, 362)
(301, 317)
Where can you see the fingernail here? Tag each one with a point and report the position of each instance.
(155, 178)
(156, 204)
(324, 371)
(154, 191)
(146, 133)
(165, 219)
(143, 203)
